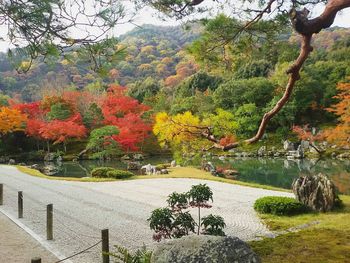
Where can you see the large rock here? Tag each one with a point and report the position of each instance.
(12, 162)
(209, 167)
(50, 169)
(148, 169)
(288, 146)
(262, 151)
(206, 249)
(317, 192)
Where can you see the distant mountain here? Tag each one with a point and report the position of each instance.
(152, 51)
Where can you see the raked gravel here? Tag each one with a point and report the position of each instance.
(82, 209)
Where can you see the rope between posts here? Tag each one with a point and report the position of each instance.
(80, 252)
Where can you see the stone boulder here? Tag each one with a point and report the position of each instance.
(317, 192)
(148, 169)
(164, 171)
(50, 169)
(173, 163)
(208, 249)
(12, 162)
(209, 167)
(34, 166)
(288, 146)
(49, 157)
(262, 151)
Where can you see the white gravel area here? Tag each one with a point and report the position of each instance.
(82, 209)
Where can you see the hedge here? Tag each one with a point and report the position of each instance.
(279, 205)
(110, 172)
(119, 174)
(101, 171)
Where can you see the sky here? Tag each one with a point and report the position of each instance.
(149, 16)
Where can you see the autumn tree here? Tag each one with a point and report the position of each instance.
(341, 133)
(60, 131)
(11, 120)
(126, 114)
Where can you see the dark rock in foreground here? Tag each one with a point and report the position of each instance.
(204, 249)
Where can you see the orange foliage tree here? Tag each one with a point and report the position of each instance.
(11, 120)
(340, 134)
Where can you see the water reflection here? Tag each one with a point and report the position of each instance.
(274, 172)
(281, 172)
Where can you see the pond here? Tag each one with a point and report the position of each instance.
(282, 172)
(273, 172)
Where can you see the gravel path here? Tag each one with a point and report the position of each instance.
(16, 246)
(82, 209)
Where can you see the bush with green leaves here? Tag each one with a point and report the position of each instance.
(101, 172)
(123, 255)
(279, 205)
(213, 225)
(110, 172)
(162, 166)
(176, 220)
(119, 174)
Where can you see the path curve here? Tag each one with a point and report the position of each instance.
(82, 209)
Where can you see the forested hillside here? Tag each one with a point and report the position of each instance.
(181, 73)
(148, 51)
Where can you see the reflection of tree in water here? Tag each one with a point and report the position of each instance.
(342, 182)
(282, 172)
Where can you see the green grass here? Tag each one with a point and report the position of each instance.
(37, 173)
(328, 241)
(179, 172)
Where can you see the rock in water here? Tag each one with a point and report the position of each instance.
(262, 151)
(50, 169)
(208, 249)
(288, 146)
(317, 192)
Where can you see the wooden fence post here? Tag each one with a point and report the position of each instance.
(20, 204)
(105, 246)
(49, 222)
(1, 194)
(36, 260)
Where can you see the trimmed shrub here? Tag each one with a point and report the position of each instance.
(119, 174)
(162, 166)
(101, 171)
(279, 205)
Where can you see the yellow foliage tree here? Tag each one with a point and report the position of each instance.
(189, 133)
(11, 120)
